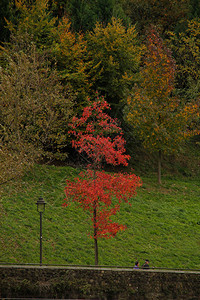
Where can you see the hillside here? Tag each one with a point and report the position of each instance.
(163, 223)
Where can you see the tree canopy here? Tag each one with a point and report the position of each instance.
(35, 107)
(86, 46)
(114, 52)
(162, 120)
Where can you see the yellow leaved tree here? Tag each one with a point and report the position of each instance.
(162, 120)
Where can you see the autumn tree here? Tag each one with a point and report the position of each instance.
(53, 38)
(99, 136)
(162, 120)
(35, 109)
(106, 59)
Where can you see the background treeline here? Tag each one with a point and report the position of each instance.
(54, 55)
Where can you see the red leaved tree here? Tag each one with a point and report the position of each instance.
(99, 136)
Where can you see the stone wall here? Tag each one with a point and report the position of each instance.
(97, 283)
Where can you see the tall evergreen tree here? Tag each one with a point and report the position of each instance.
(164, 14)
(84, 14)
(7, 9)
(185, 46)
(194, 9)
(34, 21)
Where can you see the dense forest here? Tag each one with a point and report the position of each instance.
(141, 55)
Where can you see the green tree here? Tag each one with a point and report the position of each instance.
(161, 120)
(4, 14)
(84, 14)
(164, 14)
(194, 9)
(36, 22)
(185, 47)
(70, 51)
(114, 55)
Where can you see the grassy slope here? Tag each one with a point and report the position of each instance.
(163, 224)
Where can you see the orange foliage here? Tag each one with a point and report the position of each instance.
(161, 119)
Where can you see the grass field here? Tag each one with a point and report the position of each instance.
(163, 223)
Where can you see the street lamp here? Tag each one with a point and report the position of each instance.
(41, 208)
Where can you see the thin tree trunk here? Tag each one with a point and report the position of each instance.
(96, 252)
(159, 166)
(95, 227)
(95, 238)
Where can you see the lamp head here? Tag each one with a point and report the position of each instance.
(41, 205)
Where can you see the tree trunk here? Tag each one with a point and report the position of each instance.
(96, 252)
(159, 167)
(95, 225)
(95, 236)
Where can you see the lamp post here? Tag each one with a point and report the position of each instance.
(40, 208)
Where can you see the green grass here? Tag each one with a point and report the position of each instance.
(163, 223)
